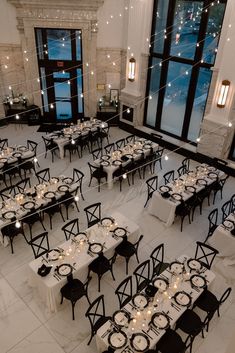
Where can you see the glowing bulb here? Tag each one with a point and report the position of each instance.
(124, 176)
(81, 95)
(25, 51)
(76, 198)
(42, 92)
(27, 59)
(17, 117)
(198, 44)
(51, 106)
(68, 82)
(166, 157)
(129, 48)
(150, 97)
(160, 64)
(102, 125)
(198, 139)
(73, 142)
(169, 84)
(7, 57)
(63, 72)
(92, 72)
(230, 124)
(114, 63)
(228, 39)
(9, 88)
(128, 111)
(46, 52)
(6, 67)
(107, 22)
(111, 16)
(186, 73)
(38, 79)
(62, 44)
(17, 224)
(87, 64)
(35, 159)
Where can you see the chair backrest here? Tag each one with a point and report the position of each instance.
(136, 244)
(186, 163)
(96, 168)
(43, 175)
(130, 138)
(97, 153)
(77, 176)
(120, 143)
(22, 185)
(233, 203)
(226, 209)
(32, 146)
(157, 256)
(205, 254)
(223, 181)
(225, 295)
(182, 170)
(71, 229)
(169, 176)
(7, 193)
(109, 148)
(3, 144)
(124, 291)
(142, 275)
(40, 244)
(152, 184)
(93, 213)
(47, 142)
(96, 311)
(213, 218)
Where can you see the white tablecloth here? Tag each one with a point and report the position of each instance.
(62, 141)
(112, 168)
(164, 208)
(48, 288)
(224, 241)
(165, 305)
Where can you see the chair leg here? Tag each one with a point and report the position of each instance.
(99, 278)
(80, 188)
(111, 270)
(73, 305)
(62, 298)
(11, 241)
(127, 261)
(50, 221)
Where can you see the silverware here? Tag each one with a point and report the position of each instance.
(147, 334)
(54, 275)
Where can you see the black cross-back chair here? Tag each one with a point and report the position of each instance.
(97, 153)
(233, 203)
(103, 133)
(158, 158)
(98, 173)
(7, 193)
(31, 218)
(186, 163)
(213, 219)
(11, 231)
(192, 325)
(127, 249)
(72, 147)
(68, 199)
(120, 143)
(40, 244)
(22, 185)
(124, 291)
(152, 184)
(94, 137)
(120, 174)
(157, 256)
(50, 146)
(226, 209)
(130, 139)
(71, 229)
(74, 290)
(96, 315)
(78, 178)
(181, 170)
(32, 146)
(11, 170)
(3, 144)
(209, 303)
(93, 214)
(52, 208)
(101, 265)
(26, 165)
(183, 210)
(217, 186)
(205, 254)
(43, 175)
(142, 275)
(172, 342)
(83, 142)
(109, 148)
(169, 176)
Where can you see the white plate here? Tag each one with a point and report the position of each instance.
(160, 320)
(63, 188)
(140, 301)
(67, 180)
(228, 224)
(176, 268)
(53, 255)
(176, 197)
(164, 188)
(120, 232)
(198, 281)
(29, 205)
(106, 222)
(117, 339)
(95, 248)
(49, 195)
(9, 215)
(140, 342)
(194, 264)
(182, 298)
(64, 270)
(121, 318)
(161, 284)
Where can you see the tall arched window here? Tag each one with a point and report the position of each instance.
(184, 41)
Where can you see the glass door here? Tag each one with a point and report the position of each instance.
(62, 93)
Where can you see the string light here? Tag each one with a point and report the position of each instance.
(124, 176)
(38, 79)
(76, 198)
(128, 111)
(198, 139)
(68, 82)
(73, 142)
(42, 92)
(108, 56)
(17, 224)
(230, 124)
(9, 88)
(35, 160)
(150, 97)
(87, 64)
(27, 59)
(6, 67)
(166, 157)
(92, 72)
(52, 106)
(81, 95)
(17, 117)
(109, 86)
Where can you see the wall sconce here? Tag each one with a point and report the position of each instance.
(131, 69)
(223, 94)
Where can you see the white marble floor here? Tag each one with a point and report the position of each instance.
(25, 325)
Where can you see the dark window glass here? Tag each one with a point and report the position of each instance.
(161, 16)
(153, 92)
(80, 90)
(44, 89)
(186, 27)
(78, 45)
(59, 44)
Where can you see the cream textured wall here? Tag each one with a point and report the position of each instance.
(8, 25)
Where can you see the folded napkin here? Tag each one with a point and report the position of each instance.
(44, 270)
